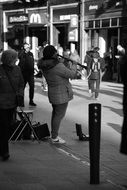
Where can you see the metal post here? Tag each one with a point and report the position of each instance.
(94, 141)
(48, 20)
(1, 23)
(82, 40)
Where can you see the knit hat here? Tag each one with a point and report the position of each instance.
(49, 51)
(9, 56)
(96, 49)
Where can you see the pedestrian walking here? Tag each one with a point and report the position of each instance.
(26, 63)
(94, 70)
(123, 75)
(108, 57)
(75, 57)
(87, 63)
(101, 60)
(44, 83)
(10, 75)
(66, 55)
(59, 88)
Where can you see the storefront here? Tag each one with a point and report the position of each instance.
(106, 26)
(25, 25)
(56, 24)
(64, 25)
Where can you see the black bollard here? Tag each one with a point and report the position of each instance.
(94, 141)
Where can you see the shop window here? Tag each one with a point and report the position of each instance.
(90, 24)
(114, 22)
(86, 24)
(106, 23)
(97, 23)
(123, 21)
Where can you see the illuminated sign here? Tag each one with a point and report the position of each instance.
(93, 7)
(22, 18)
(65, 17)
(35, 18)
(99, 6)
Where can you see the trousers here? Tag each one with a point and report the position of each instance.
(95, 86)
(30, 81)
(58, 112)
(6, 117)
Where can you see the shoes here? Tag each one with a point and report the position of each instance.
(5, 157)
(45, 89)
(90, 91)
(32, 104)
(58, 140)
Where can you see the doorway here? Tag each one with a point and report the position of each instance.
(40, 33)
(61, 35)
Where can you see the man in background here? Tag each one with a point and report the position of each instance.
(26, 63)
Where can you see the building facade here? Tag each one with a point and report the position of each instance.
(80, 24)
(105, 26)
(55, 23)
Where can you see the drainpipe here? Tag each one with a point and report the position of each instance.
(51, 25)
(4, 31)
(48, 22)
(82, 37)
(1, 24)
(118, 36)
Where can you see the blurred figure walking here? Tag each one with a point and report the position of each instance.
(108, 57)
(94, 75)
(87, 63)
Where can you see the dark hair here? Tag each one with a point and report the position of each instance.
(49, 51)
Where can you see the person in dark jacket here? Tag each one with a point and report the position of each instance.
(87, 62)
(26, 63)
(8, 101)
(59, 88)
(123, 74)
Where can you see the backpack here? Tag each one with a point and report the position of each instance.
(95, 71)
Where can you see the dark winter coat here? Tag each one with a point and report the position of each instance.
(123, 68)
(26, 63)
(7, 95)
(123, 73)
(57, 76)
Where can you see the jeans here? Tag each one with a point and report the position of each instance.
(58, 112)
(95, 86)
